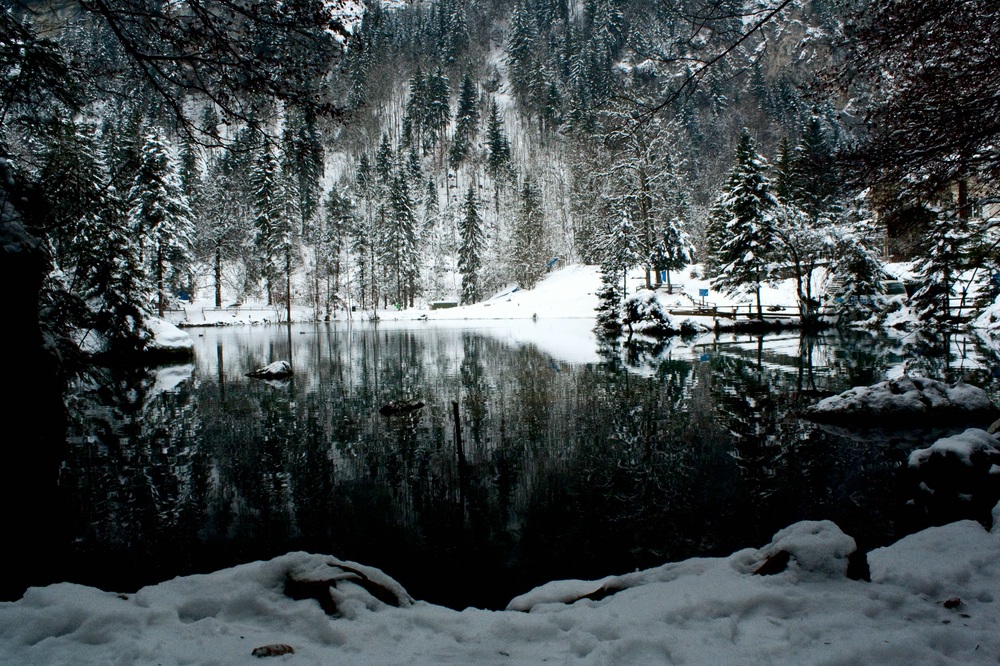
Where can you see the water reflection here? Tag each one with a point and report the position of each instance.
(653, 451)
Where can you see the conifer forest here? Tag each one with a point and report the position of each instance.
(336, 154)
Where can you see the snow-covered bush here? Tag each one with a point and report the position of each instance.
(644, 308)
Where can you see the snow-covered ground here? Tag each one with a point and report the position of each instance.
(933, 598)
(565, 293)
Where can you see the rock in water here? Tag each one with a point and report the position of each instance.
(276, 370)
(905, 402)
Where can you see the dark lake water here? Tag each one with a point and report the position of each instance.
(580, 460)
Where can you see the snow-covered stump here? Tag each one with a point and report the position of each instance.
(906, 402)
(958, 476)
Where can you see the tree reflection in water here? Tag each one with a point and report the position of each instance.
(657, 452)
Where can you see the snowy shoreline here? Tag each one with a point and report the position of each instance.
(932, 597)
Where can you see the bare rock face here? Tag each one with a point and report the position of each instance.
(906, 402)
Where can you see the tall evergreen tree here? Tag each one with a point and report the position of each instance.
(438, 109)
(528, 257)
(92, 247)
(401, 240)
(745, 255)
(271, 225)
(303, 162)
(472, 245)
(160, 217)
(466, 122)
(498, 155)
(338, 220)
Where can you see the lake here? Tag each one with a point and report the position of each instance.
(577, 458)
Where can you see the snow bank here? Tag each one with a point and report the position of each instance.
(934, 597)
(905, 401)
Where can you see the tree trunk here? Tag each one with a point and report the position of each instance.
(218, 276)
(288, 284)
(160, 304)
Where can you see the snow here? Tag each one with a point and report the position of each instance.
(933, 598)
(964, 447)
(905, 400)
(276, 370)
(167, 337)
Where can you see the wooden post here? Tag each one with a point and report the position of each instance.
(458, 435)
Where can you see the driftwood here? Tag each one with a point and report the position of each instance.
(400, 407)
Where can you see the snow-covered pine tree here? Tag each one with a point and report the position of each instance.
(744, 257)
(438, 109)
(943, 252)
(609, 300)
(224, 210)
(401, 241)
(303, 162)
(528, 247)
(95, 256)
(466, 122)
(268, 217)
(472, 244)
(337, 221)
(363, 233)
(522, 39)
(160, 217)
(856, 274)
(498, 154)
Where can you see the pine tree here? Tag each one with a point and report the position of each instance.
(438, 109)
(942, 257)
(815, 179)
(338, 220)
(416, 112)
(745, 256)
(303, 162)
(497, 152)
(467, 122)
(92, 247)
(522, 40)
(271, 228)
(160, 217)
(401, 240)
(224, 210)
(609, 300)
(528, 259)
(471, 249)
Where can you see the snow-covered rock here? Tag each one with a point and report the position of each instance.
(971, 448)
(167, 339)
(905, 401)
(276, 370)
(958, 476)
(815, 547)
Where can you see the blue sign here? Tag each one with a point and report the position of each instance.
(703, 292)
